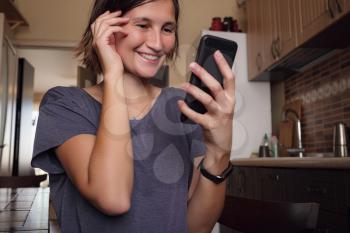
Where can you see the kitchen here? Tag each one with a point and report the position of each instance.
(323, 88)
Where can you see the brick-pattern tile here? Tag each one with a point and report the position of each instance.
(325, 91)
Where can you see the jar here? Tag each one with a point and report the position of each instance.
(216, 24)
(228, 24)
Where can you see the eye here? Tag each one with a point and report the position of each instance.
(169, 29)
(143, 26)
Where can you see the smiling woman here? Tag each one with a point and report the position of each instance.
(118, 155)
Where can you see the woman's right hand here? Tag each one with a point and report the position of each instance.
(104, 31)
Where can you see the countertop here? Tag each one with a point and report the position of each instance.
(295, 162)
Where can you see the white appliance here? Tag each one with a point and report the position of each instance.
(252, 117)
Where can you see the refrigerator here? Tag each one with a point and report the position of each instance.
(24, 130)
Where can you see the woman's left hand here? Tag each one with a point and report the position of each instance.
(217, 121)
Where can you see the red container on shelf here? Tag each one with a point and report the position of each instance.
(216, 24)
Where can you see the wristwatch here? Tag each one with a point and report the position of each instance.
(216, 179)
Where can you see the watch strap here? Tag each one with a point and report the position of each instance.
(217, 179)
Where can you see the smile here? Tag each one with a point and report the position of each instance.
(149, 57)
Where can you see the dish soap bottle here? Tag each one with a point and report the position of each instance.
(274, 146)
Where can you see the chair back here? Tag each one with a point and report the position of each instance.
(255, 216)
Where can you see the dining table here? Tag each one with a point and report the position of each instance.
(24, 210)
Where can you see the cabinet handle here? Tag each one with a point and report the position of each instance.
(278, 47)
(2, 146)
(330, 11)
(258, 61)
(316, 190)
(274, 177)
(273, 50)
(338, 5)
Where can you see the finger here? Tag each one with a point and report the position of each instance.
(105, 35)
(226, 71)
(208, 101)
(191, 114)
(213, 85)
(94, 23)
(105, 15)
(111, 22)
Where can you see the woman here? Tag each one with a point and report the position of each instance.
(119, 158)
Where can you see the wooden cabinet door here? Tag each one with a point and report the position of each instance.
(312, 17)
(242, 182)
(259, 26)
(342, 7)
(284, 32)
(272, 184)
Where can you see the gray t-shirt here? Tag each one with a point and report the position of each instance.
(163, 148)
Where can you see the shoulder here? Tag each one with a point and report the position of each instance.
(67, 97)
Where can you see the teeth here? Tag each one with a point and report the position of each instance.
(149, 57)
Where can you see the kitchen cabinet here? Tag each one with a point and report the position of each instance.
(328, 187)
(245, 184)
(284, 31)
(313, 16)
(257, 26)
(342, 7)
(272, 184)
(276, 28)
(271, 33)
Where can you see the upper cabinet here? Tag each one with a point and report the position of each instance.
(315, 15)
(284, 39)
(271, 33)
(277, 27)
(257, 27)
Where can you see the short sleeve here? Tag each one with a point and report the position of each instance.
(61, 116)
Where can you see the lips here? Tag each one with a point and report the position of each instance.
(152, 58)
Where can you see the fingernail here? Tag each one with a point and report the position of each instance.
(193, 65)
(185, 85)
(218, 54)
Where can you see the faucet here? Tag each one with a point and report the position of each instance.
(297, 142)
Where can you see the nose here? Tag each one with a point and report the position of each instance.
(154, 40)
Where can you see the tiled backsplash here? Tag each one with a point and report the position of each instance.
(325, 92)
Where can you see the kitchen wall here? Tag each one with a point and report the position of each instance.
(325, 92)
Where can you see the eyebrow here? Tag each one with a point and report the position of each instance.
(138, 19)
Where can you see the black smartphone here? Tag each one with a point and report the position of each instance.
(205, 58)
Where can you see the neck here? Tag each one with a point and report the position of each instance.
(137, 90)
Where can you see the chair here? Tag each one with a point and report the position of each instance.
(21, 181)
(255, 216)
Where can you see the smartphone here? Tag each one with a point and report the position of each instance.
(205, 58)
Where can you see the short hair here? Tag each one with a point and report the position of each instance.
(85, 47)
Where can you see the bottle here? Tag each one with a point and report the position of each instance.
(264, 150)
(274, 146)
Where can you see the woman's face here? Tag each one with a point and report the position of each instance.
(151, 37)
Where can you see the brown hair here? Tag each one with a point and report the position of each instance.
(85, 47)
